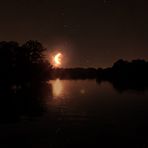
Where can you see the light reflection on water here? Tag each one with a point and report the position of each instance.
(79, 88)
(57, 87)
(86, 97)
(78, 98)
(83, 109)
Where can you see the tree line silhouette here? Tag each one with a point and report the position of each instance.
(26, 62)
(123, 75)
(24, 73)
(22, 63)
(22, 78)
(126, 75)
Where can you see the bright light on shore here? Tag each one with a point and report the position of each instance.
(57, 60)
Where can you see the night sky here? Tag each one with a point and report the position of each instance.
(90, 34)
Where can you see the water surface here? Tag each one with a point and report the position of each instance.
(87, 97)
(78, 113)
(101, 111)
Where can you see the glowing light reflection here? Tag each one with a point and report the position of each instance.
(57, 88)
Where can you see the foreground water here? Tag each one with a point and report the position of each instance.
(80, 113)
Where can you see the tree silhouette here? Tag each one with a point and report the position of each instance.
(23, 63)
(126, 75)
(33, 51)
(22, 76)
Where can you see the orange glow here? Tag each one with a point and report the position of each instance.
(57, 59)
(57, 87)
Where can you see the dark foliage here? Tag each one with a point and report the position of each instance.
(22, 77)
(22, 63)
(126, 75)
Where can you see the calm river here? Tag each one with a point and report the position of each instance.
(82, 113)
